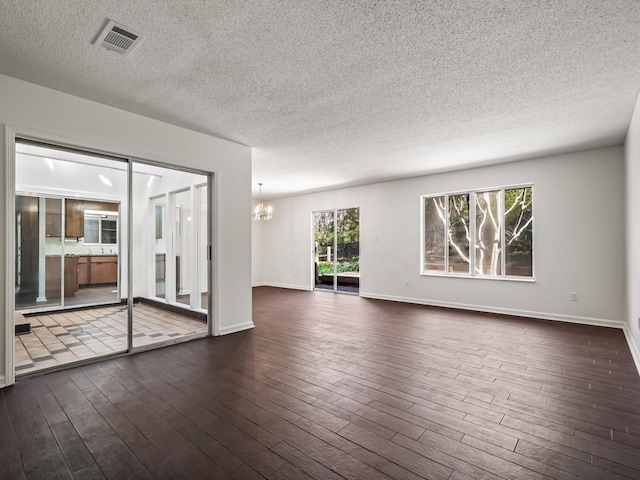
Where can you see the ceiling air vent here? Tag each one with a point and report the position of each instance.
(118, 38)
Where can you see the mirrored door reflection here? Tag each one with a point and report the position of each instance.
(166, 254)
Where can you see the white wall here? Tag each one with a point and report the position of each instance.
(578, 239)
(632, 156)
(55, 116)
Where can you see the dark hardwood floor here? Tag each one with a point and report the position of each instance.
(335, 386)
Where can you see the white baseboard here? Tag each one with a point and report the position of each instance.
(633, 346)
(283, 285)
(600, 322)
(236, 328)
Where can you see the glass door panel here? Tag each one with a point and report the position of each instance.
(324, 251)
(169, 224)
(348, 250)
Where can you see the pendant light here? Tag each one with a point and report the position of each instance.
(263, 212)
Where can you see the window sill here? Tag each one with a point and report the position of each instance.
(478, 277)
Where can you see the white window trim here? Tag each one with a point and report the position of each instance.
(472, 228)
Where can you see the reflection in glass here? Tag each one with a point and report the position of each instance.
(488, 233)
(434, 228)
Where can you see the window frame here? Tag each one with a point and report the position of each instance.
(473, 235)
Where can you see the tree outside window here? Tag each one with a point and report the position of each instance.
(489, 230)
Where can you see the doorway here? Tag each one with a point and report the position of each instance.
(336, 252)
(87, 277)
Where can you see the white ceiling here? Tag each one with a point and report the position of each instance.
(343, 92)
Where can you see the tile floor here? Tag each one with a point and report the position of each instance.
(64, 337)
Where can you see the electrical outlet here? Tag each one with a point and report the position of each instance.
(574, 296)
(406, 283)
(638, 323)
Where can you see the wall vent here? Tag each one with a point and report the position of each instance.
(118, 38)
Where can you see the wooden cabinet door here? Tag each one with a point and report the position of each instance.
(70, 276)
(104, 270)
(83, 271)
(53, 217)
(53, 278)
(74, 222)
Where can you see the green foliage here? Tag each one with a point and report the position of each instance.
(326, 268)
(347, 222)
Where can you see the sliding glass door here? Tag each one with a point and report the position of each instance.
(170, 207)
(111, 255)
(336, 261)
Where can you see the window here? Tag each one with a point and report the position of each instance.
(481, 233)
(100, 228)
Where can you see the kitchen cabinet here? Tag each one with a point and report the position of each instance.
(74, 219)
(74, 211)
(53, 217)
(103, 269)
(97, 270)
(83, 271)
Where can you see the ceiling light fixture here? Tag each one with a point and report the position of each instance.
(263, 212)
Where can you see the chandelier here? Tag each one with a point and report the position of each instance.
(263, 212)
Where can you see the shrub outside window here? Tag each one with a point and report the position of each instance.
(483, 233)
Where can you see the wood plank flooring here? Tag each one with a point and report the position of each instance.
(330, 386)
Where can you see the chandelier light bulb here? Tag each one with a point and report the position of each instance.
(262, 211)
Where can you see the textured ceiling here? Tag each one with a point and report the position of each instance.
(334, 93)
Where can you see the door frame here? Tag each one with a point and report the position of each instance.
(8, 137)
